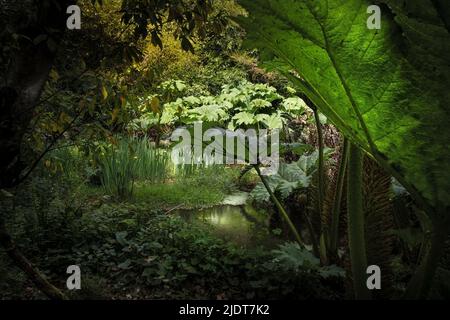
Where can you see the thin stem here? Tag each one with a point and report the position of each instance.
(357, 243)
(334, 232)
(321, 158)
(421, 283)
(279, 206)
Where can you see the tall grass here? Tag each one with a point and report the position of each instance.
(118, 169)
(67, 162)
(128, 160)
(152, 163)
(189, 170)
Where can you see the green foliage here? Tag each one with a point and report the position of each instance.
(172, 86)
(144, 123)
(152, 163)
(154, 251)
(44, 209)
(325, 48)
(65, 164)
(193, 187)
(108, 80)
(296, 259)
(127, 250)
(118, 169)
(379, 106)
(247, 105)
(129, 159)
(290, 177)
(191, 14)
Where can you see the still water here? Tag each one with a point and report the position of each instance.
(242, 224)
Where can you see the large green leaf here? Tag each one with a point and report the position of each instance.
(290, 176)
(386, 89)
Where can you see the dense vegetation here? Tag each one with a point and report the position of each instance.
(90, 176)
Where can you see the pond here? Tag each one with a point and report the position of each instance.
(241, 224)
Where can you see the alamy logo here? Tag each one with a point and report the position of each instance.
(374, 280)
(74, 280)
(227, 147)
(74, 20)
(374, 21)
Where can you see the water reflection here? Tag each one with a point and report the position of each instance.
(241, 224)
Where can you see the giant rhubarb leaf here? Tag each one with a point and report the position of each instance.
(387, 89)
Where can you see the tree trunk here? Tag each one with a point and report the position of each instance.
(22, 82)
(25, 75)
